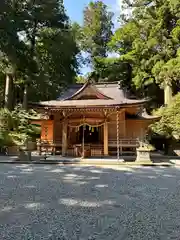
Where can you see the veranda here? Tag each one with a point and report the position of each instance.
(91, 132)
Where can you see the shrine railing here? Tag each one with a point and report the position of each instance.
(96, 149)
(124, 142)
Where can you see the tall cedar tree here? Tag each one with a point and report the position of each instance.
(152, 34)
(97, 32)
(14, 52)
(33, 32)
(52, 45)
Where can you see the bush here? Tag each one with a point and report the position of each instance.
(16, 127)
(169, 123)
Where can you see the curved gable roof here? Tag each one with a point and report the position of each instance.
(107, 94)
(88, 87)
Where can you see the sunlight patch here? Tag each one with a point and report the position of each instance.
(96, 171)
(6, 209)
(71, 175)
(168, 175)
(28, 170)
(101, 185)
(93, 178)
(74, 202)
(120, 168)
(57, 171)
(80, 182)
(152, 177)
(30, 186)
(34, 205)
(12, 176)
(78, 168)
(22, 166)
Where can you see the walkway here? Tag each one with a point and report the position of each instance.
(72, 202)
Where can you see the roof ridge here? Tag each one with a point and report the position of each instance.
(83, 87)
(101, 83)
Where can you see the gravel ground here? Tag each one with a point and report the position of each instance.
(81, 203)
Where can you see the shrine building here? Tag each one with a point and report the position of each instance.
(93, 120)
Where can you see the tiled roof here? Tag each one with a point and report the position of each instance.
(111, 90)
(88, 102)
(141, 115)
(70, 91)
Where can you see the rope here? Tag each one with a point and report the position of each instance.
(117, 121)
(83, 142)
(83, 137)
(82, 124)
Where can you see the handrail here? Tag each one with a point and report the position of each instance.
(124, 142)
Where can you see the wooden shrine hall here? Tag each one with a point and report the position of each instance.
(94, 119)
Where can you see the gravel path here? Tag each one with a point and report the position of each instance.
(81, 203)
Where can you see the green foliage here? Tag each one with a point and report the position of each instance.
(169, 124)
(42, 50)
(112, 69)
(80, 79)
(16, 127)
(53, 46)
(148, 40)
(94, 38)
(96, 31)
(168, 71)
(37, 47)
(56, 55)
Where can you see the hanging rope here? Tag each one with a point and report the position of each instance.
(81, 124)
(83, 137)
(117, 127)
(83, 142)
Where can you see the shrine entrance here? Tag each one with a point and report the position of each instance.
(89, 140)
(89, 135)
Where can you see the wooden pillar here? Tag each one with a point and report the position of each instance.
(167, 94)
(106, 152)
(83, 154)
(64, 138)
(117, 131)
(124, 123)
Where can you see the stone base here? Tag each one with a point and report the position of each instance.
(31, 146)
(177, 152)
(25, 156)
(13, 150)
(143, 155)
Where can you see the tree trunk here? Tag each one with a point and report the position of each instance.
(32, 45)
(167, 94)
(25, 97)
(9, 92)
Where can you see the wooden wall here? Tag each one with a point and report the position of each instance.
(127, 128)
(72, 133)
(47, 130)
(136, 128)
(57, 128)
(112, 126)
(52, 129)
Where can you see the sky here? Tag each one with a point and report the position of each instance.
(75, 8)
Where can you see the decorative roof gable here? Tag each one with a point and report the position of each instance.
(93, 94)
(88, 91)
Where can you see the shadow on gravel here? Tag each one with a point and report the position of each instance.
(76, 202)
